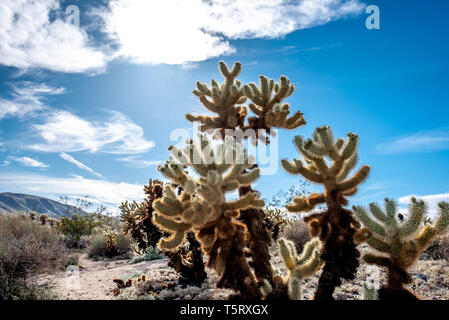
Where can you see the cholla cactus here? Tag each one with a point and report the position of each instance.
(32, 215)
(335, 226)
(203, 207)
(43, 218)
(266, 105)
(222, 99)
(136, 217)
(300, 267)
(226, 100)
(110, 235)
(131, 215)
(343, 156)
(399, 244)
(203, 202)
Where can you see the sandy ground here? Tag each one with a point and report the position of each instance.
(430, 281)
(93, 281)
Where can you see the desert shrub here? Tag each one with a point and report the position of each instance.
(439, 249)
(274, 222)
(28, 248)
(298, 232)
(98, 247)
(152, 253)
(76, 227)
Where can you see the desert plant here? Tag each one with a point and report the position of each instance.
(32, 215)
(299, 268)
(226, 101)
(43, 218)
(398, 244)
(298, 232)
(266, 104)
(335, 226)
(109, 245)
(137, 220)
(26, 248)
(188, 262)
(76, 227)
(136, 217)
(274, 222)
(151, 253)
(439, 249)
(203, 208)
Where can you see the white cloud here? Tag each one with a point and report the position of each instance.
(178, 32)
(29, 162)
(431, 200)
(80, 165)
(112, 193)
(139, 163)
(30, 39)
(426, 141)
(5, 163)
(34, 34)
(26, 98)
(63, 131)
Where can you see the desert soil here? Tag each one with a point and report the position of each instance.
(95, 278)
(430, 280)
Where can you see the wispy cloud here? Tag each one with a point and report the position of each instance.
(425, 141)
(5, 163)
(153, 31)
(28, 162)
(80, 165)
(431, 200)
(63, 131)
(27, 97)
(31, 39)
(108, 192)
(139, 163)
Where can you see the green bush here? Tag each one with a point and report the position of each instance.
(27, 248)
(76, 227)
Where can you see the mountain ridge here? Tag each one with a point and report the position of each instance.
(13, 203)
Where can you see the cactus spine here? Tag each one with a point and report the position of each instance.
(335, 226)
(398, 244)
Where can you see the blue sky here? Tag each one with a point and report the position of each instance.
(89, 110)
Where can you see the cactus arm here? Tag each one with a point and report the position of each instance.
(169, 224)
(290, 167)
(378, 244)
(377, 213)
(417, 211)
(294, 289)
(439, 227)
(368, 222)
(173, 241)
(356, 179)
(377, 260)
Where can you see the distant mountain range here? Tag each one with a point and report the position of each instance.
(13, 203)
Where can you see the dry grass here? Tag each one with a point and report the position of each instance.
(27, 248)
(98, 247)
(439, 249)
(298, 232)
